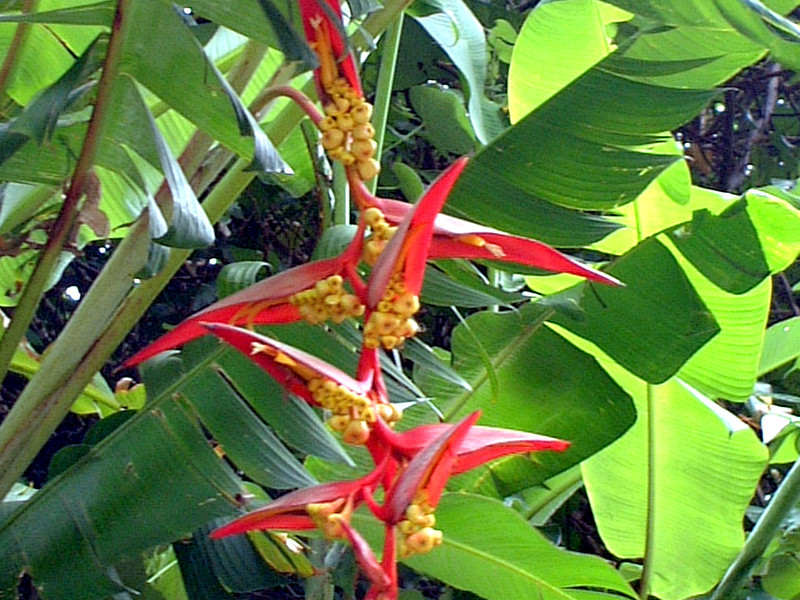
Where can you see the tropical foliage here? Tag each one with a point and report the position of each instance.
(136, 127)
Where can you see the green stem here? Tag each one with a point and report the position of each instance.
(783, 502)
(341, 196)
(63, 227)
(647, 571)
(17, 42)
(383, 91)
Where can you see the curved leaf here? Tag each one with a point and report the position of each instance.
(522, 563)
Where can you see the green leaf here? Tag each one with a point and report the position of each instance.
(151, 482)
(675, 486)
(189, 224)
(446, 122)
(525, 377)
(546, 58)
(619, 320)
(100, 13)
(461, 36)
(782, 578)
(724, 248)
(522, 562)
(241, 435)
(239, 275)
(161, 53)
(781, 344)
(38, 120)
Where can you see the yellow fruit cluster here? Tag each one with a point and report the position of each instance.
(353, 414)
(392, 322)
(380, 234)
(346, 129)
(327, 300)
(419, 536)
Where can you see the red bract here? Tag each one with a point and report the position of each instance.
(322, 24)
(419, 468)
(355, 404)
(456, 238)
(313, 291)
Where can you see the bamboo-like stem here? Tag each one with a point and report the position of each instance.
(769, 523)
(17, 42)
(383, 90)
(63, 227)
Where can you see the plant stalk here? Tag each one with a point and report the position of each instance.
(383, 91)
(647, 570)
(17, 43)
(785, 499)
(65, 222)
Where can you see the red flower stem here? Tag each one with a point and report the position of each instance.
(389, 560)
(299, 98)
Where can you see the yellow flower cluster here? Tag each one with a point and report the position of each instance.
(419, 536)
(346, 129)
(353, 414)
(380, 234)
(392, 322)
(327, 300)
(328, 516)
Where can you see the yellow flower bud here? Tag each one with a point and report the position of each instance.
(356, 433)
(363, 131)
(367, 169)
(332, 138)
(363, 149)
(362, 113)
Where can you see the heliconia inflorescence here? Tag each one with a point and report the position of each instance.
(394, 240)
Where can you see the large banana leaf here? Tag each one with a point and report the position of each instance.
(675, 487)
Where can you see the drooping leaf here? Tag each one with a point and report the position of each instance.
(38, 120)
(442, 112)
(189, 224)
(461, 36)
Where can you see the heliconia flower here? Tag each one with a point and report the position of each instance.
(313, 292)
(420, 468)
(456, 238)
(396, 278)
(347, 134)
(353, 403)
(304, 509)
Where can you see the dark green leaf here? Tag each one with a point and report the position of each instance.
(542, 384)
(724, 248)
(445, 119)
(239, 275)
(39, 119)
(242, 436)
(151, 482)
(620, 320)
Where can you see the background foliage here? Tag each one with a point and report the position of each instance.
(657, 139)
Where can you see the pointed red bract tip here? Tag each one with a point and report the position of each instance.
(408, 248)
(428, 470)
(193, 328)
